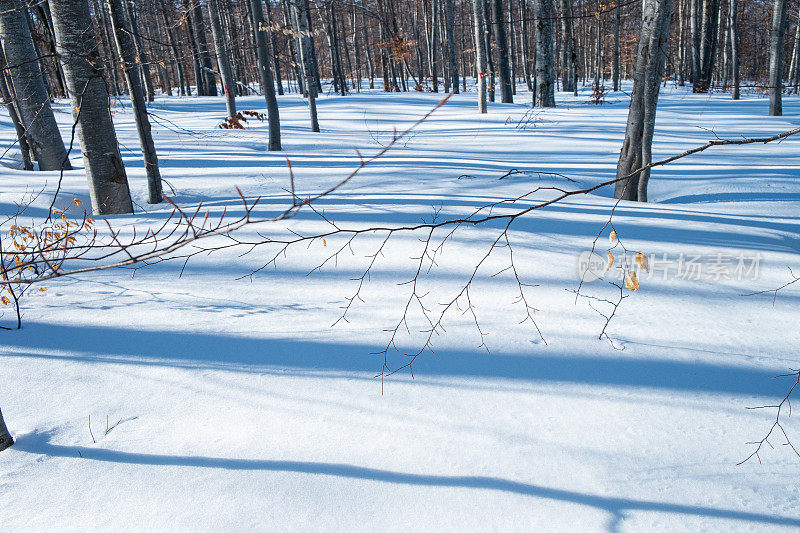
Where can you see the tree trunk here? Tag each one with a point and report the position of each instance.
(6, 440)
(526, 53)
(776, 58)
(616, 47)
(708, 45)
(480, 52)
(32, 99)
(434, 45)
(75, 43)
(141, 53)
(733, 24)
(501, 39)
(300, 20)
(569, 58)
(274, 47)
(545, 86)
(11, 107)
(223, 60)
(206, 70)
(451, 43)
(694, 41)
(636, 149)
(268, 85)
(127, 51)
(173, 47)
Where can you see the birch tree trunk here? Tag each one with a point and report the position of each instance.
(268, 85)
(434, 45)
(223, 60)
(650, 61)
(75, 43)
(480, 52)
(29, 91)
(127, 51)
(6, 440)
(776, 58)
(501, 39)
(545, 78)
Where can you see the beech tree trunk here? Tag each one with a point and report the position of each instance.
(708, 46)
(545, 78)
(480, 52)
(776, 58)
(6, 440)
(223, 60)
(569, 57)
(75, 43)
(28, 89)
(267, 83)
(501, 41)
(733, 25)
(650, 61)
(451, 43)
(127, 50)
(301, 23)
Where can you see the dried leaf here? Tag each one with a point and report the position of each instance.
(631, 281)
(642, 261)
(612, 236)
(610, 261)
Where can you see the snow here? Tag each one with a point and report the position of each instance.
(242, 408)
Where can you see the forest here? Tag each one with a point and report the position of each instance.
(336, 265)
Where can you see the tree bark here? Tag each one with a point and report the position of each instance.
(708, 46)
(223, 59)
(75, 43)
(143, 58)
(776, 58)
(545, 78)
(31, 96)
(569, 58)
(173, 47)
(268, 85)
(301, 23)
(204, 56)
(733, 24)
(127, 51)
(6, 440)
(501, 39)
(11, 107)
(451, 43)
(480, 52)
(615, 74)
(636, 149)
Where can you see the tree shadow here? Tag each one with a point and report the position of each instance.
(38, 443)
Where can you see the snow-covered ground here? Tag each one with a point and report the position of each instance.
(243, 408)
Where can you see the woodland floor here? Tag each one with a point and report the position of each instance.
(252, 412)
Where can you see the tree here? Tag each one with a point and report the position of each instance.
(708, 46)
(637, 146)
(733, 27)
(545, 78)
(267, 84)
(221, 47)
(28, 90)
(127, 50)
(302, 27)
(506, 88)
(569, 58)
(6, 440)
(776, 57)
(480, 52)
(75, 43)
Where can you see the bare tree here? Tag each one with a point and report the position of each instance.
(776, 57)
(501, 39)
(28, 90)
(223, 58)
(480, 52)
(545, 78)
(267, 83)
(636, 148)
(75, 43)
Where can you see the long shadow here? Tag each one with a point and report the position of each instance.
(93, 344)
(38, 443)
